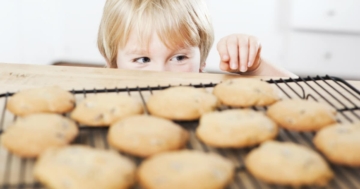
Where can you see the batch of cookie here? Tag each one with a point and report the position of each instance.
(42, 132)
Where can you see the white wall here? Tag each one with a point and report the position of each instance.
(43, 31)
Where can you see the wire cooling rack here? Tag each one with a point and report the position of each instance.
(16, 173)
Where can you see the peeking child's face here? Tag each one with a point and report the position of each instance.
(157, 56)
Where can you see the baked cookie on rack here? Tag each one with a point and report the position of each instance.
(181, 103)
(31, 135)
(84, 167)
(185, 169)
(145, 135)
(105, 109)
(235, 128)
(302, 115)
(285, 163)
(244, 92)
(41, 100)
(340, 143)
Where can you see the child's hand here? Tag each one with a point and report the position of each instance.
(239, 52)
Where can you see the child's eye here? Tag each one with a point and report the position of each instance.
(178, 58)
(142, 60)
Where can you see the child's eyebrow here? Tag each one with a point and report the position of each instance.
(183, 49)
(136, 51)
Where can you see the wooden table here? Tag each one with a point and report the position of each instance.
(14, 77)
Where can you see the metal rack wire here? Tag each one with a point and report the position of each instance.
(15, 173)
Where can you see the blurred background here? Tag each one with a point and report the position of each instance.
(306, 37)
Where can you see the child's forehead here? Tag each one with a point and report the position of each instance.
(139, 42)
(154, 47)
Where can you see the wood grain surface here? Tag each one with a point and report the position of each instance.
(14, 77)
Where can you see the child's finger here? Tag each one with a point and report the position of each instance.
(222, 49)
(257, 60)
(243, 53)
(224, 66)
(253, 51)
(232, 48)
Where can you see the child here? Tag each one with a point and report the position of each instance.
(169, 35)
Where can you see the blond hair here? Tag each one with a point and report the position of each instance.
(176, 22)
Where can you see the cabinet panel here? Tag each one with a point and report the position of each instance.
(329, 15)
(313, 53)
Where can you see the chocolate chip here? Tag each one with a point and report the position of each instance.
(89, 104)
(176, 166)
(253, 139)
(251, 115)
(129, 177)
(66, 183)
(64, 124)
(156, 142)
(342, 130)
(113, 110)
(121, 124)
(25, 107)
(285, 152)
(197, 99)
(218, 174)
(99, 117)
(257, 90)
(308, 163)
(269, 127)
(74, 150)
(72, 102)
(135, 140)
(160, 180)
(331, 145)
(233, 118)
(60, 135)
(289, 120)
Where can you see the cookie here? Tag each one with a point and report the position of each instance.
(78, 166)
(181, 103)
(244, 92)
(340, 143)
(235, 128)
(105, 109)
(286, 163)
(31, 135)
(144, 135)
(302, 115)
(185, 169)
(41, 100)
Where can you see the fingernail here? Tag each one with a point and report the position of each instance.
(250, 64)
(243, 69)
(233, 66)
(225, 57)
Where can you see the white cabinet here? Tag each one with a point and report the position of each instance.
(324, 38)
(326, 15)
(323, 53)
